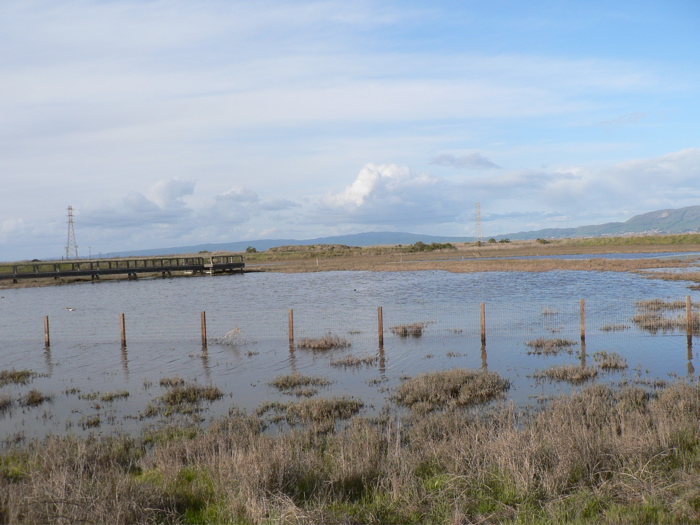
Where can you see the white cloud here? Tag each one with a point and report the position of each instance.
(468, 161)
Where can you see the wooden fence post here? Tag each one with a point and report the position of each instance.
(689, 319)
(122, 323)
(380, 326)
(482, 309)
(47, 338)
(291, 326)
(583, 320)
(203, 316)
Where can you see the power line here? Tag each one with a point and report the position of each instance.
(478, 230)
(71, 244)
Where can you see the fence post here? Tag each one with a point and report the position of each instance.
(204, 329)
(291, 326)
(689, 319)
(122, 323)
(482, 309)
(583, 320)
(380, 326)
(47, 338)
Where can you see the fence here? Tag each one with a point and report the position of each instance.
(478, 321)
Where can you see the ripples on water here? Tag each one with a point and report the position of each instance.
(163, 335)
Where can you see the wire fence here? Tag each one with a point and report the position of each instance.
(574, 319)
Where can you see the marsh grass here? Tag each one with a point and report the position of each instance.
(327, 342)
(318, 415)
(169, 382)
(354, 361)
(34, 398)
(6, 403)
(409, 330)
(458, 387)
(598, 455)
(550, 347)
(299, 385)
(651, 316)
(18, 377)
(610, 361)
(114, 395)
(574, 374)
(182, 398)
(611, 327)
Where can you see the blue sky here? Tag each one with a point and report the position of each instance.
(167, 123)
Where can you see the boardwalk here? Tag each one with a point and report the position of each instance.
(130, 267)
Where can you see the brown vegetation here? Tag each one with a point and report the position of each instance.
(327, 342)
(544, 346)
(596, 456)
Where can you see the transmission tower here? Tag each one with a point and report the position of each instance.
(478, 231)
(71, 245)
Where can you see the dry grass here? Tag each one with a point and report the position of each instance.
(299, 385)
(353, 361)
(6, 403)
(600, 455)
(450, 388)
(34, 398)
(409, 330)
(327, 342)
(610, 361)
(182, 398)
(614, 327)
(544, 346)
(18, 377)
(574, 374)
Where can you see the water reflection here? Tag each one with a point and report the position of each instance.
(248, 318)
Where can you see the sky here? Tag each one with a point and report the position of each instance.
(174, 122)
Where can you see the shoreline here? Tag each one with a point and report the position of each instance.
(515, 256)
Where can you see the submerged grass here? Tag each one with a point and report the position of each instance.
(545, 346)
(299, 385)
(574, 374)
(352, 361)
(18, 377)
(327, 342)
(409, 330)
(599, 455)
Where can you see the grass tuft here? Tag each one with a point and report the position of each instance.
(457, 387)
(574, 374)
(544, 346)
(18, 377)
(409, 330)
(327, 342)
(299, 385)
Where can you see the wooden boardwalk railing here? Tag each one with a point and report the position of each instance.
(94, 268)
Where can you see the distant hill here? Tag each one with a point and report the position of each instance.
(682, 220)
(356, 239)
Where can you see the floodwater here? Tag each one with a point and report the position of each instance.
(248, 341)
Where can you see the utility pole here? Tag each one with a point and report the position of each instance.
(478, 231)
(71, 244)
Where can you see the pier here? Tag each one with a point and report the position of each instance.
(131, 267)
